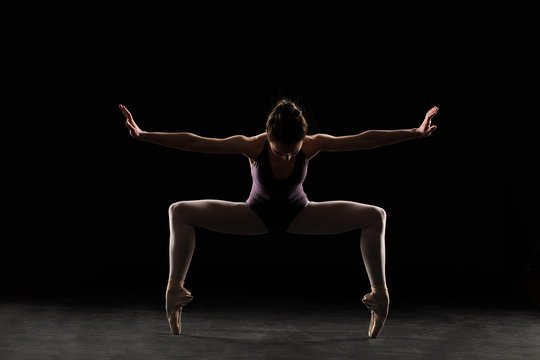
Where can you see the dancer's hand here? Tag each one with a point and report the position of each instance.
(426, 128)
(134, 130)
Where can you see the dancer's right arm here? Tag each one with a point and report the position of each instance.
(237, 144)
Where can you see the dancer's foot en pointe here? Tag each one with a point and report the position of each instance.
(175, 298)
(377, 301)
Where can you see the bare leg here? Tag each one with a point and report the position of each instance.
(334, 217)
(216, 215)
(184, 216)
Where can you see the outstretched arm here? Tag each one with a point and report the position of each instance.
(375, 138)
(186, 141)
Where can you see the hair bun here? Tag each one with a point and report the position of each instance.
(285, 123)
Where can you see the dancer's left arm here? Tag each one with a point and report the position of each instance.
(375, 138)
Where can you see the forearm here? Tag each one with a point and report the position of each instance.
(376, 138)
(236, 144)
(178, 140)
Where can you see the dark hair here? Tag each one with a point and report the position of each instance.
(286, 123)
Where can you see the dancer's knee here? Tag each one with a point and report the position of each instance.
(178, 212)
(382, 214)
(376, 217)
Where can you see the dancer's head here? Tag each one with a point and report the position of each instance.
(286, 128)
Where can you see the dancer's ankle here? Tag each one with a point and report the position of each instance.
(380, 289)
(175, 283)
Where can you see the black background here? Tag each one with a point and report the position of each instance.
(87, 205)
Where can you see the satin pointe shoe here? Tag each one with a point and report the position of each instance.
(176, 297)
(377, 302)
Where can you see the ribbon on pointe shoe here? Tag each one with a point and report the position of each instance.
(176, 297)
(377, 302)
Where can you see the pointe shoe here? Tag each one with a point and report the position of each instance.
(175, 298)
(377, 302)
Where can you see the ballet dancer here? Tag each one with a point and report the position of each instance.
(277, 203)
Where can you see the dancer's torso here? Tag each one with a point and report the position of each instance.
(278, 182)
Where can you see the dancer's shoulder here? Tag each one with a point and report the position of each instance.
(255, 146)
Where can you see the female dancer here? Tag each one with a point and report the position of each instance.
(277, 203)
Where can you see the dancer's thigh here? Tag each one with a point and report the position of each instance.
(218, 215)
(334, 217)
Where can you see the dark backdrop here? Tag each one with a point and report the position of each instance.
(88, 204)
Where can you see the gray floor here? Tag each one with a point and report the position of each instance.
(292, 329)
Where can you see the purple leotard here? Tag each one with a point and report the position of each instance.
(277, 202)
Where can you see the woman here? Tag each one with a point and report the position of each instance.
(277, 203)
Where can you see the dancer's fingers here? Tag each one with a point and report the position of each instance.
(130, 120)
(126, 113)
(431, 112)
(129, 125)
